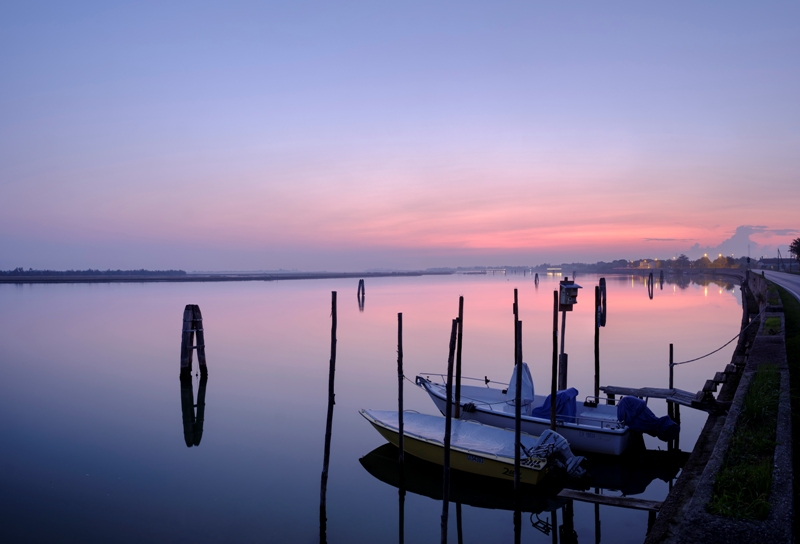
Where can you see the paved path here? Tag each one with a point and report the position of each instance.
(790, 282)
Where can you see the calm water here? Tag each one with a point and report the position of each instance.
(90, 402)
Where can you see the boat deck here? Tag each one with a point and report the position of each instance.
(495, 400)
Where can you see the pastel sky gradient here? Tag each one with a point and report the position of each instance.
(356, 135)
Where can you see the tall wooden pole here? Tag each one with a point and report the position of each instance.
(401, 491)
(329, 423)
(400, 387)
(670, 405)
(447, 428)
(201, 339)
(458, 355)
(596, 342)
(518, 407)
(562, 359)
(553, 381)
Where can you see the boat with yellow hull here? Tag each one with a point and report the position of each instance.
(477, 448)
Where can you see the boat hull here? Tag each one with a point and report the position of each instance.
(591, 439)
(533, 470)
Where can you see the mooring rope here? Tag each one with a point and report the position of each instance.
(476, 402)
(754, 320)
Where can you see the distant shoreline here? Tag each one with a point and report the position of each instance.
(167, 278)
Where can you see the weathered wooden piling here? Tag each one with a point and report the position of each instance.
(563, 357)
(360, 295)
(401, 490)
(329, 424)
(400, 389)
(447, 429)
(603, 302)
(458, 355)
(597, 310)
(192, 326)
(553, 382)
(518, 408)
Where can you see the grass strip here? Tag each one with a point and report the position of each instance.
(741, 489)
(791, 316)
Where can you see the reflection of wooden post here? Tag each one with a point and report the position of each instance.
(193, 423)
(458, 355)
(458, 524)
(554, 384)
(447, 428)
(323, 520)
(192, 324)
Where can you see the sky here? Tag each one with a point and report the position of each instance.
(366, 135)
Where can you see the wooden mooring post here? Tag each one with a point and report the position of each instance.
(458, 355)
(553, 382)
(447, 429)
(361, 295)
(400, 443)
(192, 326)
(517, 435)
(323, 519)
(401, 489)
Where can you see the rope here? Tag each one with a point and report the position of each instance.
(475, 401)
(726, 343)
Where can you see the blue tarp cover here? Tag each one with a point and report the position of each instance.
(566, 407)
(636, 415)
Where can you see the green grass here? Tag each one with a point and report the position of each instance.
(742, 486)
(791, 316)
(772, 325)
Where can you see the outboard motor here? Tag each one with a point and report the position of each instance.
(637, 416)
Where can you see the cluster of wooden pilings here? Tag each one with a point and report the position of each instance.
(559, 373)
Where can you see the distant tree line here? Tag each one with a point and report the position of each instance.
(91, 272)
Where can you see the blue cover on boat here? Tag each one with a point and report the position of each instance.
(566, 406)
(636, 415)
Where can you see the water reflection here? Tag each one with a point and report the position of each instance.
(627, 475)
(631, 474)
(65, 388)
(193, 421)
(425, 478)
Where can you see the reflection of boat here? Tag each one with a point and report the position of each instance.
(425, 478)
(631, 473)
(477, 448)
(588, 427)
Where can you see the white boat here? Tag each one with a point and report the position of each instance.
(588, 426)
(477, 448)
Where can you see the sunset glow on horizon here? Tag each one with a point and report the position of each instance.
(250, 136)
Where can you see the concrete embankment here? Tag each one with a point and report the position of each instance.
(684, 517)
